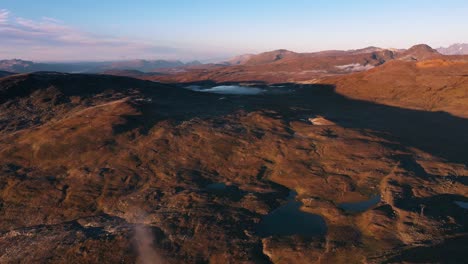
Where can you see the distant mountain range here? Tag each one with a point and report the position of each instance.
(23, 66)
(329, 61)
(287, 66)
(455, 49)
(380, 55)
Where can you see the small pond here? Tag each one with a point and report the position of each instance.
(227, 89)
(217, 186)
(289, 220)
(222, 189)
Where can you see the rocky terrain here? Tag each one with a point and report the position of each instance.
(108, 169)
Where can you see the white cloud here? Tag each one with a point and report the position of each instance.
(51, 19)
(51, 39)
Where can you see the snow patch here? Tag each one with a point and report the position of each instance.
(354, 67)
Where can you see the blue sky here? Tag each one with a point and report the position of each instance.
(208, 29)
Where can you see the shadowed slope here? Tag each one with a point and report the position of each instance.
(5, 73)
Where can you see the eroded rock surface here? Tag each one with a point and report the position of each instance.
(115, 170)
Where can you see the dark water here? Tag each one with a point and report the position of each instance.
(217, 186)
(290, 220)
(221, 189)
(361, 206)
(463, 205)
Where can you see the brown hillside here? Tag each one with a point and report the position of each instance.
(283, 66)
(431, 85)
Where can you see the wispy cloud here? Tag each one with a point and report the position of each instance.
(4, 16)
(51, 39)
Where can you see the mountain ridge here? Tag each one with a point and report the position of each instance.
(286, 66)
(24, 66)
(455, 49)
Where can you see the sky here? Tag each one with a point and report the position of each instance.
(97, 30)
